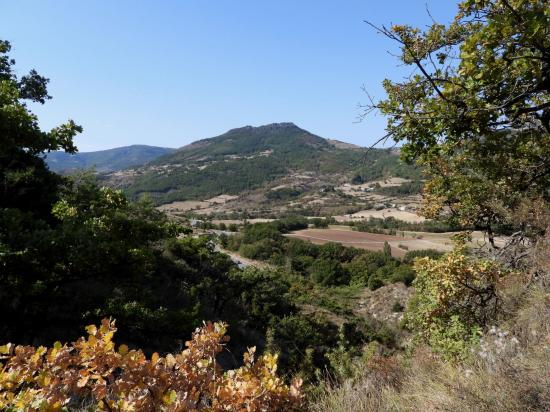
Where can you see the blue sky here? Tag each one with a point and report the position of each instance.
(170, 72)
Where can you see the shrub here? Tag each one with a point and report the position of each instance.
(91, 374)
(413, 254)
(301, 342)
(359, 274)
(375, 282)
(397, 307)
(259, 231)
(263, 249)
(387, 249)
(319, 223)
(454, 296)
(403, 273)
(328, 272)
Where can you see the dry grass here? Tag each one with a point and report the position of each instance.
(501, 377)
(382, 214)
(508, 371)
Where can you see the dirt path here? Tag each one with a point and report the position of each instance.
(243, 262)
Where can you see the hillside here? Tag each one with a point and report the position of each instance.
(104, 160)
(249, 158)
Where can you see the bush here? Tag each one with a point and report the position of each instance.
(301, 343)
(260, 293)
(397, 307)
(413, 254)
(91, 374)
(403, 273)
(328, 272)
(260, 231)
(319, 223)
(262, 250)
(454, 296)
(358, 272)
(375, 282)
(285, 193)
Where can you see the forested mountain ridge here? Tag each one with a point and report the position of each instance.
(250, 157)
(104, 160)
(248, 140)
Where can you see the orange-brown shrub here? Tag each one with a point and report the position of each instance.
(91, 374)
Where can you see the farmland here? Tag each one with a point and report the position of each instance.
(372, 241)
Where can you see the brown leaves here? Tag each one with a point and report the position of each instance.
(124, 380)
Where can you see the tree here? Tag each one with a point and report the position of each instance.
(26, 184)
(387, 249)
(72, 251)
(329, 272)
(476, 112)
(455, 297)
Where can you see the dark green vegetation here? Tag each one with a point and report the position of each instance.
(405, 189)
(326, 265)
(390, 225)
(375, 166)
(72, 252)
(104, 160)
(251, 157)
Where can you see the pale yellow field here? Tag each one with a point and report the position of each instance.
(406, 216)
(183, 206)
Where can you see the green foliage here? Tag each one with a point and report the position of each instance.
(26, 184)
(383, 225)
(328, 272)
(261, 294)
(476, 114)
(454, 339)
(320, 223)
(385, 163)
(454, 297)
(405, 189)
(294, 336)
(260, 231)
(387, 249)
(285, 193)
(411, 255)
(73, 252)
(375, 281)
(404, 274)
(263, 249)
(330, 264)
(358, 271)
(251, 157)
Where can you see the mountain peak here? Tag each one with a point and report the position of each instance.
(271, 127)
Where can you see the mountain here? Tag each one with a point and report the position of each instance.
(105, 160)
(249, 158)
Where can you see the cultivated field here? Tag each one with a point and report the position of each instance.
(384, 213)
(372, 241)
(183, 206)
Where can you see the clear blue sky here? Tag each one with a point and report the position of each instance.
(170, 72)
